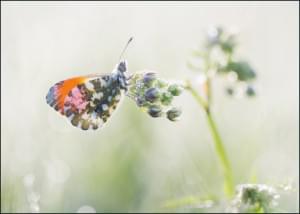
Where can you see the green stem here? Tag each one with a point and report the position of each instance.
(228, 183)
(220, 150)
(198, 98)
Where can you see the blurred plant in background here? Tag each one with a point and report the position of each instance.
(257, 198)
(217, 57)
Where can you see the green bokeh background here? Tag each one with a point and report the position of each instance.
(137, 163)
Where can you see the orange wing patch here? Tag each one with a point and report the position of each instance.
(65, 88)
(57, 93)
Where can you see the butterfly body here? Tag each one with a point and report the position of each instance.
(88, 101)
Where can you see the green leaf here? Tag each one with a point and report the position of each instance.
(243, 70)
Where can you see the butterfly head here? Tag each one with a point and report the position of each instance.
(122, 66)
(120, 74)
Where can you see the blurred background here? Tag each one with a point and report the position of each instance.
(137, 163)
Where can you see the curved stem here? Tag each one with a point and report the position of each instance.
(220, 150)
(197, 97)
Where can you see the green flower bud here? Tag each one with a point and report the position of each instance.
(175, 89)
(140, 101)
(161, 83)
(154, 111)
(148, 78)
(152, 94)
(166, 98)
(250, 91)
(173, 114)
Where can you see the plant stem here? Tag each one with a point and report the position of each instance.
(228, 182)
(198, 98)
(220, 150)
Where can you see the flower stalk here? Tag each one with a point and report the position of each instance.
(219, 147)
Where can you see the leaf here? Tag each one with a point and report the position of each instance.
(243, 70)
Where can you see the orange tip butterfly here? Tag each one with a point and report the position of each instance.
(89, 101)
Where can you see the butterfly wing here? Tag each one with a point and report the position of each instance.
(87, 101)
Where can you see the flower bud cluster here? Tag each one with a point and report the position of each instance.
(254, 198)
(154, 95)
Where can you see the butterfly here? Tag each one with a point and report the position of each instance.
(89, 101)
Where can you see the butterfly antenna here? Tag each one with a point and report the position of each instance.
(131, 38)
